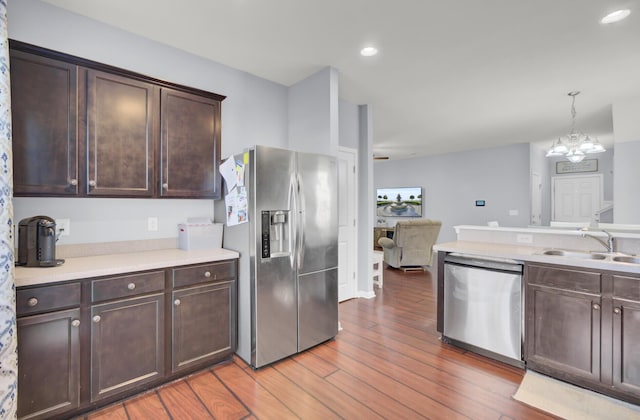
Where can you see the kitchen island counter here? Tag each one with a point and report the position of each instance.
(105, 265)
(535, 254)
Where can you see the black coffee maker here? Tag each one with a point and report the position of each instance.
(37, 242)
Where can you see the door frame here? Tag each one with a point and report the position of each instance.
(352, 266)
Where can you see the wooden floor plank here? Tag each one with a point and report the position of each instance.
(220, 402)
(115, 412)
(343, 404)
(396, 390)
(258, 400)
(299, 401)
(146, 406)
(182, 402)
(378, 401)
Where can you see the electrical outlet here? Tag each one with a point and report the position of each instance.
(513, 212)
(152, 224)
(63, 227)
(524, 238)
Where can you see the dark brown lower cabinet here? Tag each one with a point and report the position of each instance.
(127, 344)
(583, 326)
(626, 333)
(202, 324)
(87, 343)
(48, 364)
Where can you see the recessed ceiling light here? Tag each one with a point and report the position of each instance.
(368, 51)
(616, 16)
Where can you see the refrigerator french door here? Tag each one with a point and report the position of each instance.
(288, 293)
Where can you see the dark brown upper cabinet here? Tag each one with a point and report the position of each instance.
(190, 139)
(82, 128)
(44, 103)
(120, 135)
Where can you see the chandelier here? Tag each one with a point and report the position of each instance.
(575, 145)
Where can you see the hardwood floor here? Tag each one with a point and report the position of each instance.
(387, 362)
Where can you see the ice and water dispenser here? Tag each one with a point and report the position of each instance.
(276, 233)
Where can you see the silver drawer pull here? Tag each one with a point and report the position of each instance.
(74, 182)
(616, 310)
(177, 302)
(207, 274)
(165, 186)
(32, 302)
(92, 183)
(131, 286)
(595, 306)
(75, 323)
(96, 319)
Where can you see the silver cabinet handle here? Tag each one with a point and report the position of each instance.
(131, 286)
(207, 274)
(595, 306)
(73, 182)
(617, 310)
(96, 319)
(75, 323)
(32, 302)
(177, 302)
(92, 183)
(165, 186)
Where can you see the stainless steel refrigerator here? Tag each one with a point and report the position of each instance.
(288, 272)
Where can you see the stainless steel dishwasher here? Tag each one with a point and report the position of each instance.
(483, 300)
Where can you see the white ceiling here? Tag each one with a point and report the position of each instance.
(451, 75)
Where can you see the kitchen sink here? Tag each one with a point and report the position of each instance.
(575, 254)
(627, 259)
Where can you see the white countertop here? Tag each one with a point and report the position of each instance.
(532, 254)
(105, 265)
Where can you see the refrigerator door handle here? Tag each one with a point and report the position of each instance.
(300, 225)
(293, 205)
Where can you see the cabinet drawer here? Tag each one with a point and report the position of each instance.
(41, 299)
(626, 287)
(221, 271)
(127, 285)
(570, 279)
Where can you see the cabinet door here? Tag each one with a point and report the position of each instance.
(190, 145)
(126, 344)
(563, 331)
(44, 124)
(626, 333)
(49, 357)
(203, 324)
(120, 137)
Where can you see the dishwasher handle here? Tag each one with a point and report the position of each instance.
(486, 263)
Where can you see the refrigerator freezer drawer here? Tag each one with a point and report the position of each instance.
(317, 308)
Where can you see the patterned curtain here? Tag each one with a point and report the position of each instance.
(8, 337)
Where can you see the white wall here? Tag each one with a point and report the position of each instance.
(313, 113)
(453, 182)
(626, 133)
(254, 112)
(348, 125)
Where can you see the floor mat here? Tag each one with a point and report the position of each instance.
(571, 402)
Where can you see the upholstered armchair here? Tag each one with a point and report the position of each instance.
(412, 243)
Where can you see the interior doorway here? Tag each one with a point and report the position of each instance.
(347, 224)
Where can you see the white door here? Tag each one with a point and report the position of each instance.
(576, 198)
(536, 199)
(347, 194)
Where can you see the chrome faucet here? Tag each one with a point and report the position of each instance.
(611, 241)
